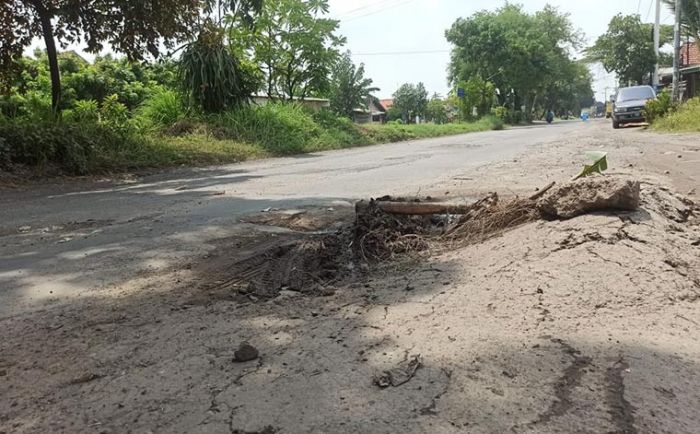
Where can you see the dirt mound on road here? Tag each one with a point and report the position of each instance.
(312, 263)
(586, 195)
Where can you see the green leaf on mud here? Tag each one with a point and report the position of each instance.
(600, 164)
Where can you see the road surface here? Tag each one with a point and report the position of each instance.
(119, 312)
(63, 241)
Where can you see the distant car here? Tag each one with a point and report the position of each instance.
(608, 109)
(629, 104)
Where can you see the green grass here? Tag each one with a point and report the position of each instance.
(396, 132)
(684, 120)
(254, 133)
(190, 150)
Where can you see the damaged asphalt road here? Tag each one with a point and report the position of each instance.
(582, 325)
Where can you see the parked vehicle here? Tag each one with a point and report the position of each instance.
(608, 109)
(628, 105)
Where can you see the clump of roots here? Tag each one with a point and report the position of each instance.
(381, 235)
(491, 218)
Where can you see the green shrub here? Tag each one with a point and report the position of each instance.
(37, 107)
(83, 112)
(500, 112)
(497, 123)
(686, 118)
(338, 131)
(70, 148)
(514, 117)
(282, 129)
(34, 144)
(163, 109)
(12, 106)
(656, 109)
(114, 114)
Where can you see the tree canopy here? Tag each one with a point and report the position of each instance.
(627, 48)
(411, 101)
(437, 110)
(294, 46)
(522, 54)
(129, 27)
(350, 89)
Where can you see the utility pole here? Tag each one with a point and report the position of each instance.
(677, 52)
(657, 42)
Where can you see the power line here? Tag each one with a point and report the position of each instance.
(651, 3)
(378, 11)
(348, 14)
(397, 53)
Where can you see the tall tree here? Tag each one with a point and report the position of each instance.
(212, 74)
(521, 54)
(130, 27)
(627, 48)
(437, 110)
(295, 46)
(350, 89)
(571, 92)
(411, 100)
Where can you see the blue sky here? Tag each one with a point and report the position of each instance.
(376, 28)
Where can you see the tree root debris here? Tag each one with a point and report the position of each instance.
(388, 227)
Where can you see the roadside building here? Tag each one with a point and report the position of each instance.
(374, 113)
(690, 71)
(312, 103)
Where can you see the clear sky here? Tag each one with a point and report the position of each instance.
(376, 29)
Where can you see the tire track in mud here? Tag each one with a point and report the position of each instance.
(620, 410)
(569, 380)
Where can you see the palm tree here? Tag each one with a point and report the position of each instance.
(690, 16)
(350, 88)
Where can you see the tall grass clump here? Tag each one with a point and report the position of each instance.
(281, 129)
(338, 131)
(161, 110)
(67, 148)
(686, 119)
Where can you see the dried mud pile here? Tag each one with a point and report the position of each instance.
(312, 263)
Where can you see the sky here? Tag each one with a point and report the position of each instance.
(378, 30)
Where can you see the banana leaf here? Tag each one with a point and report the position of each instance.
(600, 164)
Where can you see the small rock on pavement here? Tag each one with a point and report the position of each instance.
(286, 293)
(245, 353)
(327, 291)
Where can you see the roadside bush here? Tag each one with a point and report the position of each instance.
(338, 132)
(70, 148)
(685, 119)
(496, 122)
(83, 112)
(114, 114)
(656, 109)
(163, 109)
(396, 133)
(37, 107)
(514, 117)
(500, 112)
(282, 129)
(12, 106)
